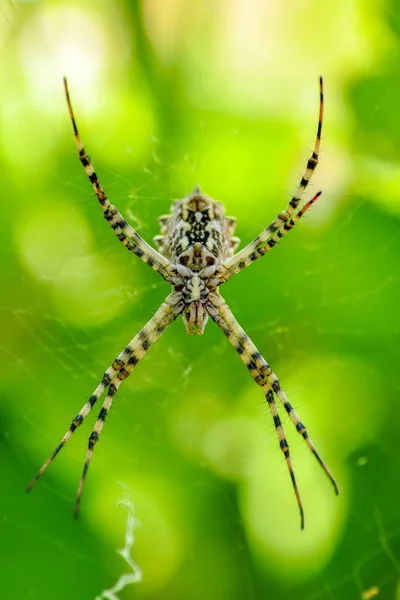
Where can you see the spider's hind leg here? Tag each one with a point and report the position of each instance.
(124, 232)
(286, 219)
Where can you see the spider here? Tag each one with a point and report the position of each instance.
(196, 256)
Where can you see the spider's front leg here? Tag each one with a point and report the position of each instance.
(268, 381)
(286, 219)
(120, 369)
(125, 233)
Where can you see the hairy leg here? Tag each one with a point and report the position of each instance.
(120, 369)
(267, 380)
(240, 260)
(125, 233)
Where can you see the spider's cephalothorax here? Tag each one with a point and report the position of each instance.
(195, 295)
(197, 234)
(196, 257)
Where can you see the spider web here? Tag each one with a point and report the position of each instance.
(189, 435)
(61, 354)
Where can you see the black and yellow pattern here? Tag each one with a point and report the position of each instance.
(285, 220)
(196, 256)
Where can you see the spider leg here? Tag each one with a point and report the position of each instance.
(265, 378)
(117, 372)
(78, 420)
(125, 233)
(250, 253)
(230, 271)
(165, 315)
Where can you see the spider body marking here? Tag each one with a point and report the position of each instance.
(197, 256)
(196, 237)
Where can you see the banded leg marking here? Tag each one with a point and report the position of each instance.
(87, 407)
(142, 342)
(125, 233)
(288, 226)
(284, 446)
(241, 260)
(94, 437)
(266, 378)
(133, 353)
(118, 371)
(313, 160)
(243, 346)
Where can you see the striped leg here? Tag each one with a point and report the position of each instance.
(266, 378)
(107, 377)
(240, 260)
(125, 233)
(230, 271)
(165, 315)
(117, 372)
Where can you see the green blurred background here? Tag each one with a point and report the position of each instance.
(169, 94)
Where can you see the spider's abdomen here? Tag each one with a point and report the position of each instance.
(197, 234)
